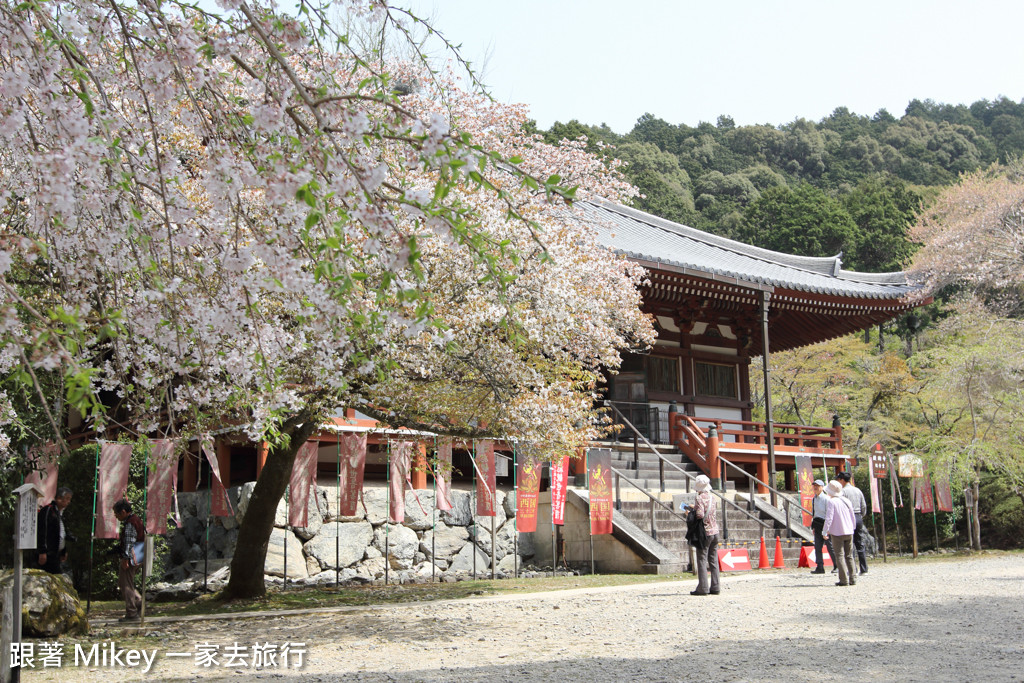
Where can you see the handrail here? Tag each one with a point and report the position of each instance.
(664, 460)
(647, 493)
(766, 485)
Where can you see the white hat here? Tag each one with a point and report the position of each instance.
(834, 488)
(703, 483)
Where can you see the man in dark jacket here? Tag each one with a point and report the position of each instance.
(132, 532)
(51, 534)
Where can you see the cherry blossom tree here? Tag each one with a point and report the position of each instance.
(229, 217)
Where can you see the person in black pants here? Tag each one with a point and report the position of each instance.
(51, 534)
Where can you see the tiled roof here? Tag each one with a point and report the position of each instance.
(641, 236)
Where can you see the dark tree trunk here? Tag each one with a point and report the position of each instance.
(254, 533)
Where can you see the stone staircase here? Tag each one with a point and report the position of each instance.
(641, 467)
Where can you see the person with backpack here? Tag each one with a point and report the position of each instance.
(130, 555)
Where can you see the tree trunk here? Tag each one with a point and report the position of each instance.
(254, 533)
(976, 522)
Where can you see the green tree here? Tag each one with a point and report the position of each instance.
(800, 220)
(664, 186)
(884, 211)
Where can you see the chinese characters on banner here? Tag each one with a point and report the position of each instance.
(352, 452)
(485, 481)
(401, 453)
(943, 497)
(599, 470)
(805, 479)
(527, 492)
(115, 459)
(443, 475)
(559, 486)
(162, 486)
(44, 471)
(303, 478)
(220, 506)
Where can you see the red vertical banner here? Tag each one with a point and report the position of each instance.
(161, 485)
(923, 501)
(527, 492)
(443, 474)
(943, 497)
(805, 480)
(599, 476)
(302, 480)
(220, 506)
(398, 472)
(559, 487)
(44, 471)
(115, 461)
(352, 465)
(486, 477)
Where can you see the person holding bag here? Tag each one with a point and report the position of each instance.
(705, 519)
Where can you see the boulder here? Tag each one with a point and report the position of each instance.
(446, 541)
(507, 565)
(419, 509)
(50, 604)
(463, 562)
(244, 494)
(346, 543)
(316, 504)
(461, 513)
(376, 500)
(527, 544)
(275, 555)
(504, 540)
(372, 569)
(398, 543)
(510, 504)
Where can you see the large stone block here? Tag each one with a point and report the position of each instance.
(461, 513)
(419, 509)
(463, 562)
(345, 542)
(50, 605)
(275, 555)
(376, 500)
(443, 542)
(398, 543)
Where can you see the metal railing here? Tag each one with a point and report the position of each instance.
(663, 461)
(643, 417)
(753, 481)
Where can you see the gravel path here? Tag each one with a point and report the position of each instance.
(949, 620)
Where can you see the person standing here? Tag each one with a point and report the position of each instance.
(820, 508)
(840, 523)
(51, 534)
(128, 559)
(860, 508)
(707, 557)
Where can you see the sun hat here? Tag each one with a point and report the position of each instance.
(703, 483)
(834, 488)
(819, 482)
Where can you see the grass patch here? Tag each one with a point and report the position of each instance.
(297, 598)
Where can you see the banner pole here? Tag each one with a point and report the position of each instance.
(472, 457)
(590, 511)
(881, 516)
(92, 534)
(387, 522)
(287, 504)
(433, 522)
(145, 516)
(515, 531)
(337, 519)
(914, 496)
(935, 519)
(206, 545)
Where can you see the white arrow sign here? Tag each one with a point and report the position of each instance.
(728, 559)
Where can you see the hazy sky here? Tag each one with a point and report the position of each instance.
(759, 61)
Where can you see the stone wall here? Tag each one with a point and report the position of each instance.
(357, 548)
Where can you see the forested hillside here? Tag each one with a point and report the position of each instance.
(848, 183)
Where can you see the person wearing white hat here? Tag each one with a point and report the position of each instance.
(840, 523)
(820, 508)
(707, 557)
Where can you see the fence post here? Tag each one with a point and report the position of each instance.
(7, 633)
(654, 530)
(636, 453)
(661, 473)
(618, 492)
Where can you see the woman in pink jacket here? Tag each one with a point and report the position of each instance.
(840, 523)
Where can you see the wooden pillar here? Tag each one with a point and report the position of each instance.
(714, 467)
(419, 467)
(791, 480)
(262, 449)
(224, 460)
(763, 474)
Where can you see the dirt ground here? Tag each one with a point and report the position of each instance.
(946, 620)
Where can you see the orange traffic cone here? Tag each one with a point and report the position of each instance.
(762, 562)
(779, 561)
